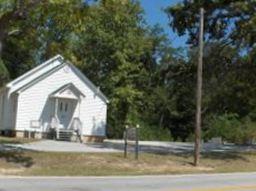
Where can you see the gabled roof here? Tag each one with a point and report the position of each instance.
(44, 70)
(69, 91)
(36, 71)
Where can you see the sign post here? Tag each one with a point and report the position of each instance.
(137, 142)
(125, 141)
(131, 134)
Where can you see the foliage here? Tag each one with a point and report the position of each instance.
(154, 133)
(225, 126)
(3, 73)
(146, 80)
(229, 64)
(109, 50)
(107, 40)
(231, 128)
(231, 21)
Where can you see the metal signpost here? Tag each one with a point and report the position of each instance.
(131, 135)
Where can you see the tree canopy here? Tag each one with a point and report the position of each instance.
(146, 80)
(231, 21)
(229, 64)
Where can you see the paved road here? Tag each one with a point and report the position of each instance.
(216, 182)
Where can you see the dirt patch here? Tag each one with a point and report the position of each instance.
(11, 171)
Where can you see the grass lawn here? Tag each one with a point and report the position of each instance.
(14, 140)
(63, 164)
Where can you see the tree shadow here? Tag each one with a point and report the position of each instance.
(225, 156)
(6, 141)
(15, 155)
(14, 140)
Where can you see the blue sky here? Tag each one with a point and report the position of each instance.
(154, 14)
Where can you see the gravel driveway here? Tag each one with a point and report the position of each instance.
(179, 147)
(59, 146)
(118, 145)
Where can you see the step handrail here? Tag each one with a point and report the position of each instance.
(77, 127)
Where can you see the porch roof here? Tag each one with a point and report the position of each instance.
(68, 91)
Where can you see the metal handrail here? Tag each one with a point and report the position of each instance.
(55, 125)
(77, 127)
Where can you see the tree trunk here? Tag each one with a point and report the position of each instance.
(1, 48)
(161, 120)
(2, 36)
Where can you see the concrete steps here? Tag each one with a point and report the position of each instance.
(64, 134)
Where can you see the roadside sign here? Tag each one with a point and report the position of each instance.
(131, 136)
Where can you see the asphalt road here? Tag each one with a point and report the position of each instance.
(203, 182)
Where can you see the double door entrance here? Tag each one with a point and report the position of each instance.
(65, 112)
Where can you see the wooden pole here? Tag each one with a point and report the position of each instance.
(199, 91)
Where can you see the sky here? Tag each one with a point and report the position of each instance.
(154, 14)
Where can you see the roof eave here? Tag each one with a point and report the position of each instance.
(90, 83)
(33, 71)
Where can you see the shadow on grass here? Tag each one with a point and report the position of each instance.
(10, 140)
(187, 157)
(214, 155)
(16, 156)
(225, 156)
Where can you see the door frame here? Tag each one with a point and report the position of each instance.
(73, 105)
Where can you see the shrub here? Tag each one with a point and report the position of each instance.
(154, 133)
(3, 73)
(231, 128)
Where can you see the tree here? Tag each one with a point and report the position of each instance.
(33, 31)
(231, 21)
(13, 11)
(10, 11)
(109, 50)
(107, 40)
(228, 56)
(168, 101)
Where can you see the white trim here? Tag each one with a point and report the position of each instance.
(34, 70)
(2, 109)
(64, 62)
(71, 86)
(39, 78)
(56, 107)
(16, 99)
(95, 89)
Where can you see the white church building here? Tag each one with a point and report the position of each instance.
(53, 97)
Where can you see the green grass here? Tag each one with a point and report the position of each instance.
(14, 140)
(75, 164)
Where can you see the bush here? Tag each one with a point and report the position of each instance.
(147, 132)
(231, 128)
(3, 73)
(154, 133)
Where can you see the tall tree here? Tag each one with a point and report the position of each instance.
(232, 21)
(230, 49)
(40, 30)
(109, 51)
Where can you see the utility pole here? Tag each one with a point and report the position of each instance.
(199, 91)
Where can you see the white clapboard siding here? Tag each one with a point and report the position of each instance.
(34, 73)
(32, 102)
